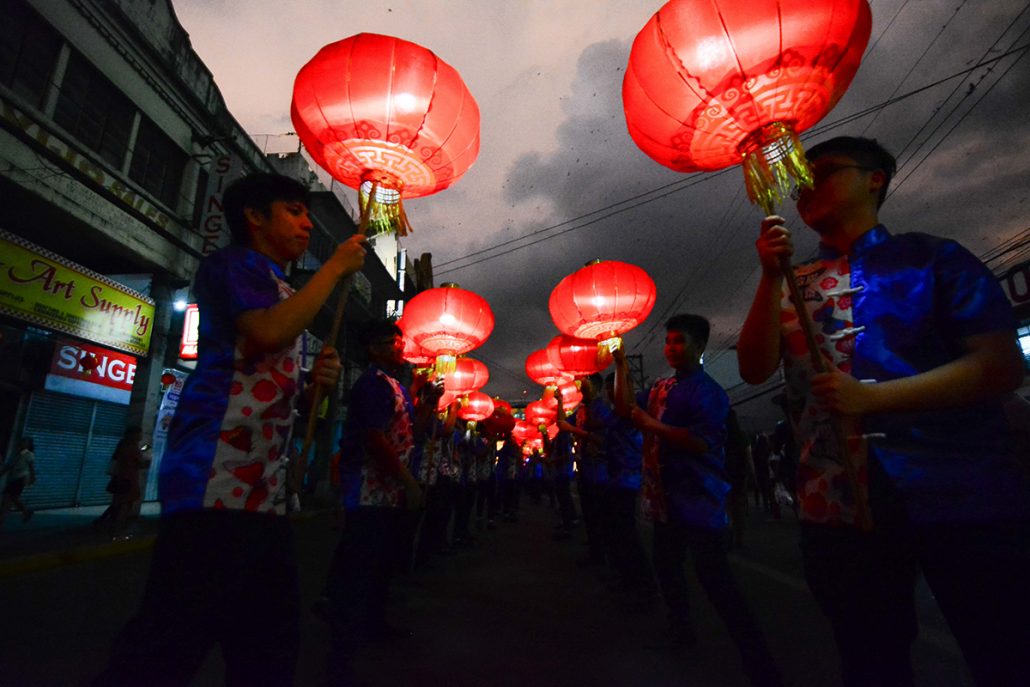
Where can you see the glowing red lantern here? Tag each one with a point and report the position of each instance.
(571, 397)
(477, 407)
(602, 300)
(541, 371)
(500, 423)
(524, 431)
(374, 109)
(448, 321)
(577, 357)
(468, 375)
(446, 399)
(541, 413)
(413, 353)
(500, 405)
(712, 83)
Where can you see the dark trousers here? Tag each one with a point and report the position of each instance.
(439, 505)
(465, 500)
(371, 553)
(619, 512)
(864, 583)
(216, 576)
(564, 496)
(590, 504)
(708, 549)
(486, 497)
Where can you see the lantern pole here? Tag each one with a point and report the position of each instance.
(295, 478)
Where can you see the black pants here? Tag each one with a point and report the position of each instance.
(708, 549)
(225, 577)
(564, 496)
(619, 512)
(864, 583)
(590, 504)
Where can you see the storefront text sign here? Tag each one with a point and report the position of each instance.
(47, 290)
(190, 333)
(108, 375)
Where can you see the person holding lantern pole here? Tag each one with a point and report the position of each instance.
(683, 420)
(223, 568)
(379, 492)
(921, 341)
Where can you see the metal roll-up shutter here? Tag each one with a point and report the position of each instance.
(73, 438)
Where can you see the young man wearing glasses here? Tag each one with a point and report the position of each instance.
(919, 342)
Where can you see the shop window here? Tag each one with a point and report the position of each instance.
(1024, 343)
(28, 52)
(94, 111)
(157, 163)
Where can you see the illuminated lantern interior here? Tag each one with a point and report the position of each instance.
(541, 371)
(714, 83)
(602, 300)
(577, 357)
(571, 397)
(541, 413)
(524, 431)
(468, 375)
(413, 353)
(478, 407)
(378, 110)
(446, 322)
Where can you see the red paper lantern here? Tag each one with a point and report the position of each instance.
(167, 379)
(477, 407)
(378, 109)
(524, 431)
(552, 431)
(571, 397)
(541, 412)
(712, 83)
(413, 353)
(500, 405)
(468, 375)
(499, 424)
(577, 357)
(602, 300)
(448, 321)
(446, 399)
(541, 371)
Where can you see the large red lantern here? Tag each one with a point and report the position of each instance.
(500, 423)
(448, 321)
(542, 413)
(478, 406)
(524, 431)
(468, 375)
(577, 357)
(541, 371)
(602, 300)
(446, 399)
(571, 397)
(382, 112)
(502, 406)
(713, 83)
(414, 354)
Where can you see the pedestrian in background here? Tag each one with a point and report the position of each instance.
(20, 469)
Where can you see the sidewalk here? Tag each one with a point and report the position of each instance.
(65, 535)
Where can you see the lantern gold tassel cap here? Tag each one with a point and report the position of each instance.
(613, 344)
(774, 163)
(445, 364)
(385, 207)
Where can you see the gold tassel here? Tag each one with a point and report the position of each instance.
(774, 163)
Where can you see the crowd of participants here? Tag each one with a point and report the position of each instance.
(900, 460)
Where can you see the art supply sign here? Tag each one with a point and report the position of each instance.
(45, 289)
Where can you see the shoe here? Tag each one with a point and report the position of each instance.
(674, 639)
(27, 515)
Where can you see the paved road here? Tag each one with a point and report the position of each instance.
(514, 610)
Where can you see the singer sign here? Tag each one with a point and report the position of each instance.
(107, 375)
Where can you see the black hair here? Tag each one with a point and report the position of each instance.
(866, 151)
(596, 381)
(694, 326)
(258, 191)
(377, 330)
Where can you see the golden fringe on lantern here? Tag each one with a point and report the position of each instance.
(774, 163)
(385, 207)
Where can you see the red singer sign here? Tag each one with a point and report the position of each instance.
(83, 369)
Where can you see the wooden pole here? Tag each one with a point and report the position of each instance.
(298, 467)
(862, 514)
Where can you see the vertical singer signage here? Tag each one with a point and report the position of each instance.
(213, 229)
(47, 290)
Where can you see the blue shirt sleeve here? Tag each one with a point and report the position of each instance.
(971, 300)
(235, 280)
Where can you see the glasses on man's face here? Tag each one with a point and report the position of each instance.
(821, 174)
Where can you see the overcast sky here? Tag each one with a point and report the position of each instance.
(559, 177)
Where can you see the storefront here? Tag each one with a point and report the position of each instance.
(69, 341)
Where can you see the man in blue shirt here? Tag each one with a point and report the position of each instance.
(223, 568)
(683, 420)
(922, 351)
